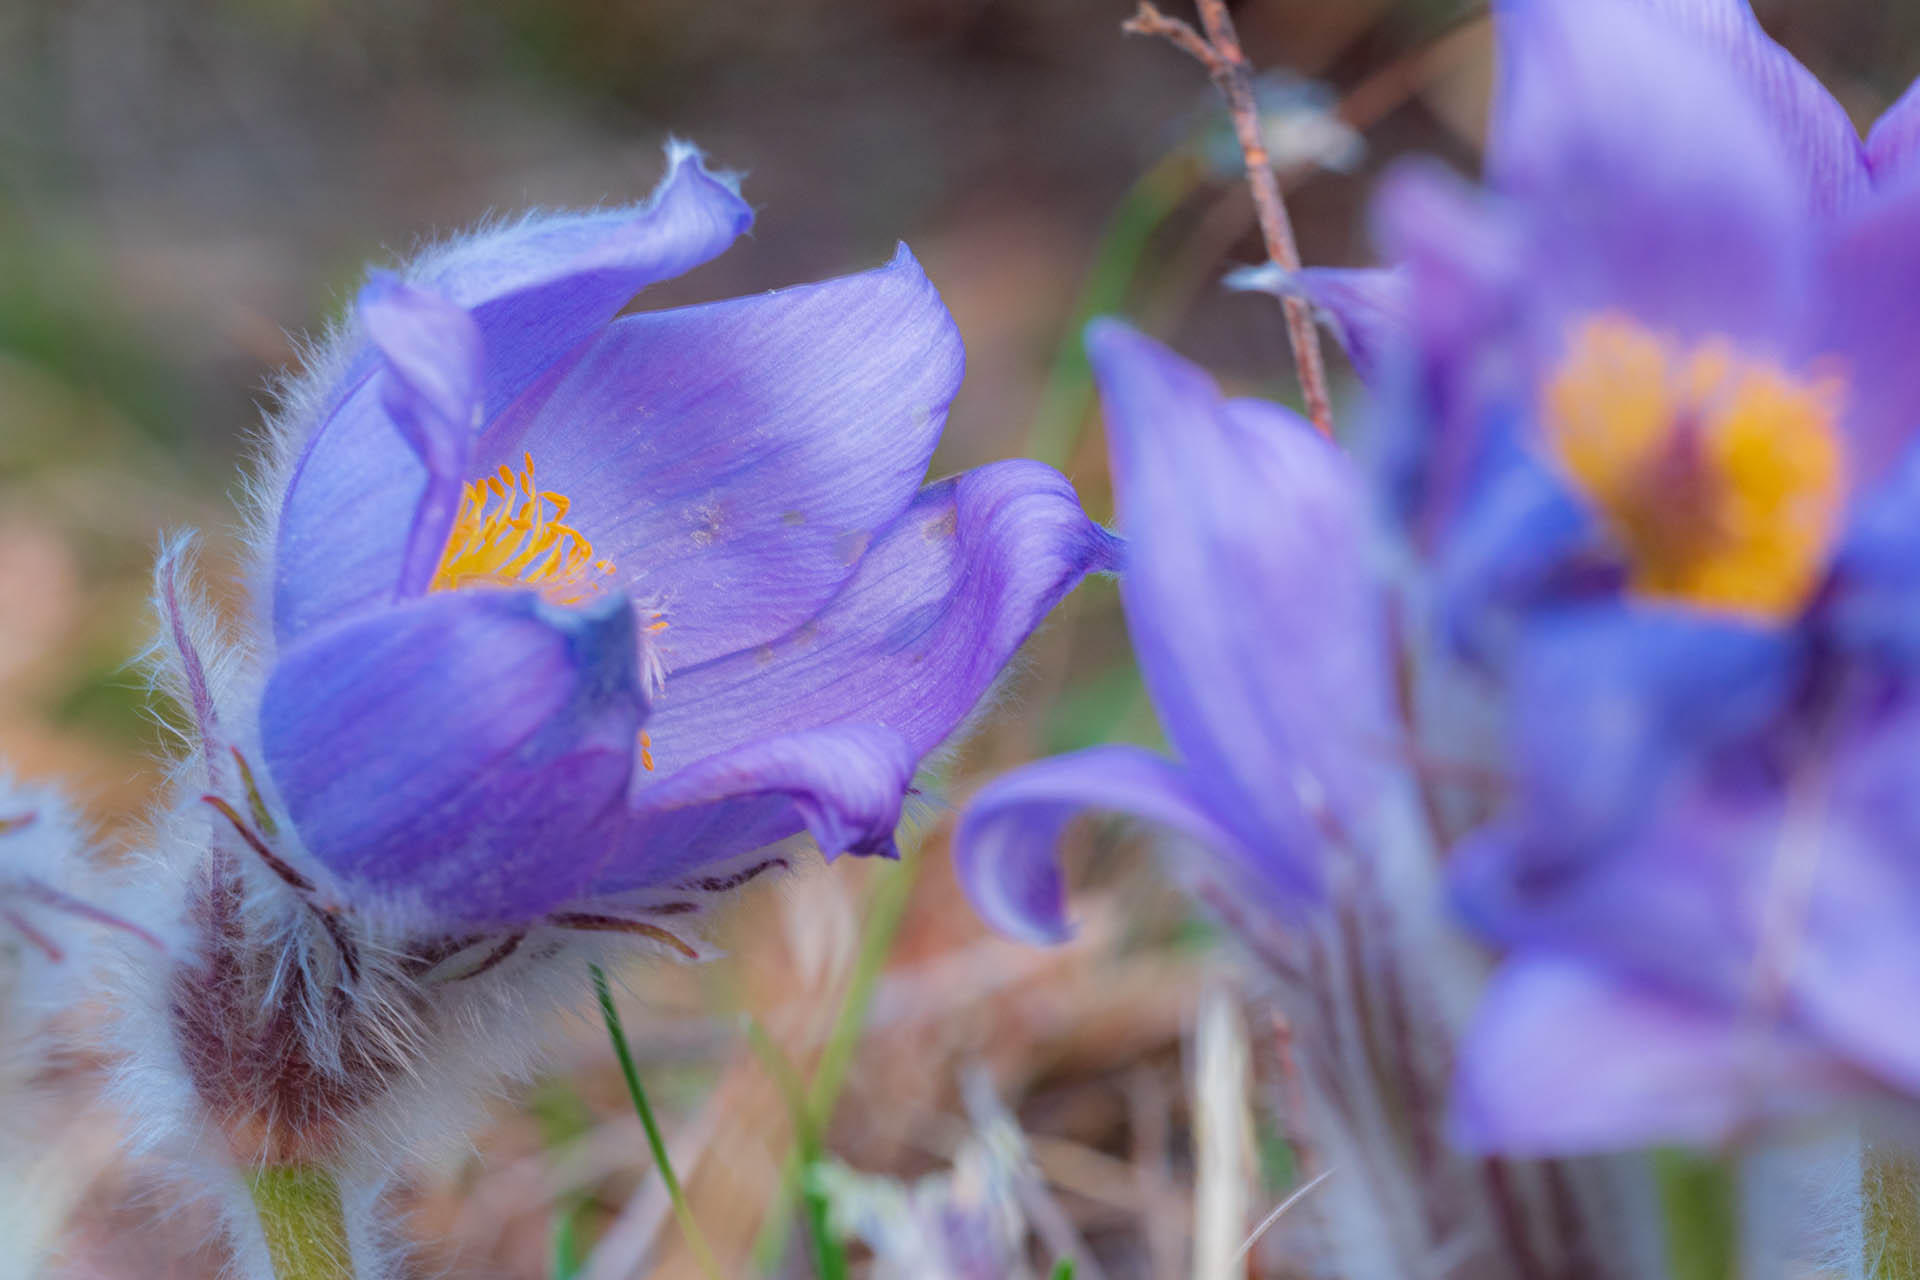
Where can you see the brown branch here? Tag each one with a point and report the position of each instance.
(1220, 53)
(1149, 21)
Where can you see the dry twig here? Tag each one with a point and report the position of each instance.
(1220, 53)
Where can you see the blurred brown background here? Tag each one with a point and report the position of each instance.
(183, 184)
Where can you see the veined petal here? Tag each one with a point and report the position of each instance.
(736, 459)
(934, 611)
(1368, 309)
(1650, 178)
(536, 290)
(1807, 123)
(1005, 848)
(1894, 142)
(540, 287)
(931, 616)
(454, 755)
(844, 783)
(1251, 602)
(1562, 1059)
(431, 385)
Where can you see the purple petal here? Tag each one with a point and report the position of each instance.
(542, 286)
(843, 783)
(1895, 139)
(1004, 849)
(1852, 947)
(1560, 1059)
(1607, 700)
(1650, 179)
(431, 384)
(1675, 905)
(1514, 547)
(1868, 606)
(934, 611)
(1807, 123)
(735, 459)
(537, 291)
(450, 756)
(931, 616)
(1463, 257)
(1250, 600)
(1869, 322)
(1369, 311)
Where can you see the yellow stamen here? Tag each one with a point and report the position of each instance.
(505, 535)
(646, 751)
(1721, 477)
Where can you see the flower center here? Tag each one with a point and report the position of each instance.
(1722, 478)
(510, 533)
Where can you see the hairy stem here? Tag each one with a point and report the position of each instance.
(306, 1229)
(1890, 1202)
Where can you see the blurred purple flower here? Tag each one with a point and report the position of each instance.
(1261, 622)
(567, 605)
(1235, 512)
(1650, 411)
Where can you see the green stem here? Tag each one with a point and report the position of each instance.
(306, 1229)
(682, 1211)
(1890, 1201)
(1699, 1198)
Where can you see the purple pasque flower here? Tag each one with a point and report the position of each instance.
(1260, 613)
(566, 606)
(1649, 415)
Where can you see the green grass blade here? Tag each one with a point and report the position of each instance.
(682, 1212)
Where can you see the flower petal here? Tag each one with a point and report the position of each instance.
(909, 646)
(843, 784)
(542, 286)
(1451, 415)
(536, 291)
(735, 459)
(933, 612)
(1004, 849)
(1652, 181)
(1806, 121)
(1876, 575)
(1894, 143)
(447, 758)
(1561, 1059)
(1868, 321)
(1851, 953)
(1609, 699)
(1250, 600)
(1367, 310)
(431, 385)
